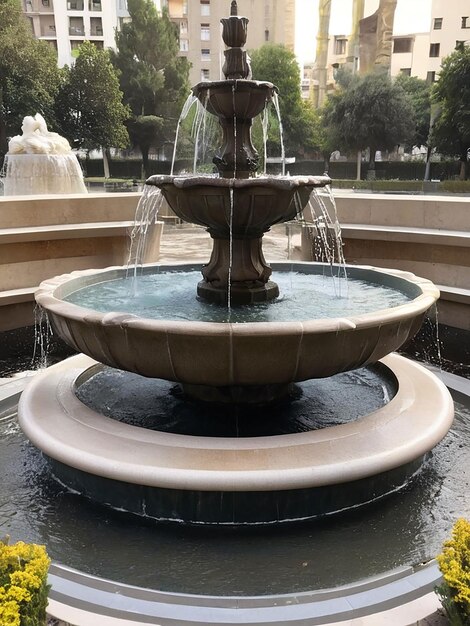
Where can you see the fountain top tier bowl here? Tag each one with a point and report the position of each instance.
(236, 354)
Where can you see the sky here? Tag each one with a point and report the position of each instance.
(411, 16)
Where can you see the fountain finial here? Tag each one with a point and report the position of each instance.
(234, 8)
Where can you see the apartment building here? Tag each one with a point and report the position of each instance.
(416, 53)
(200, 30)
(450, 26)
(67, 23)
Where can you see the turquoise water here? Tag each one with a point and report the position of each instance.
(172, 296)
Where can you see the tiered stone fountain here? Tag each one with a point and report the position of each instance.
(206, 477)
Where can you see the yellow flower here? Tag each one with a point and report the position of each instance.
(454, 563)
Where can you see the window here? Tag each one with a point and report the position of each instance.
(465, 22)
(459, 44)
(205, 54)
(124, 20)
(76, 26)
(94, 5)
(96, 27)
(183, 27)
(204, 74)
(434, 49)
(340, 45)
(266, 35)
(45, 3)
(205, 8)
(184, 45)
(437, 23)
(431, 77)
(205, 32)
(406, 71)
(74, 45)
(75, 5)
(402, 44)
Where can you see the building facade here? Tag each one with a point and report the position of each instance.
(200, 30)
(417, 54)
(67, 23)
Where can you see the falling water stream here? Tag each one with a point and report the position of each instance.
(281, 132)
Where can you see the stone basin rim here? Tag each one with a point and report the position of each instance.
(228, 84)
(50, 292)
(104, 447)
(275, 182)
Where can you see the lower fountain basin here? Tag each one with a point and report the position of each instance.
(235, 480)
(236, 354)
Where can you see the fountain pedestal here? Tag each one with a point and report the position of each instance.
(248, 278)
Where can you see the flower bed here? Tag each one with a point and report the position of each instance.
(454, 563)
(23, 584)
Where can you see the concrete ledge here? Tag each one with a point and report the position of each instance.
(430, 212)
(88, 601)
(65, 231)
(415, 235)
(25, 211)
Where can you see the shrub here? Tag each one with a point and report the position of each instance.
(23, 584)
(454, 563)
(455, 186)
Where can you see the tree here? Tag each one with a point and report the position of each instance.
(153, 78)
(146, 131)
(451, 130)
(419, 94)
(29, 76)
(372, 112)
(278, 65)
(89, 104)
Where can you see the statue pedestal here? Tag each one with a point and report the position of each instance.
(33, 174)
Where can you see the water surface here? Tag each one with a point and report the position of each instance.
(172, 296)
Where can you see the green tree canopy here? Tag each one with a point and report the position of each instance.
(29, 76)
(278, 65)
(451, 130)
(419, 93)
(372, 112)
(153, 78)
(89, 104)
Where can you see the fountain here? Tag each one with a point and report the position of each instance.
(246, 360)
(40, 162)
(236, 407)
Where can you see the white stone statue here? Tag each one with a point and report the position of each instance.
(36, 139)
(40, 162)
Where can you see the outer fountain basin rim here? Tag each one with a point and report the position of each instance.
(405, 429)
(225, 354)
(275, 182)
(51, 292)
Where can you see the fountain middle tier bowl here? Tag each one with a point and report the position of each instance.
(243, 99)
(251, 206)
(221, 354)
